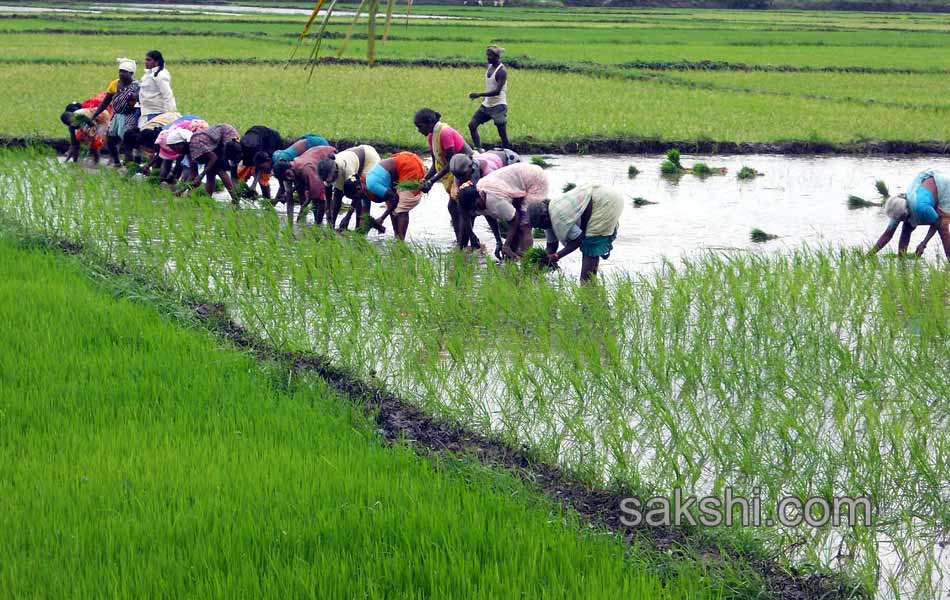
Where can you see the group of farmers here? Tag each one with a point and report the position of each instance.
(142, 117)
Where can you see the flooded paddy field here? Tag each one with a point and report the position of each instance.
(704, 362)
(801, 199)
(791, 369)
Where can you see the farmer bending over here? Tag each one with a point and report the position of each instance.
(382, 184)
(927, 202)
(349, 166)
(301, 176)
(504, 195)
(84, 129)
(303, 143)
(467, 170)
(258, 145)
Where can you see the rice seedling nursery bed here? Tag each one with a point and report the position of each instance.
(692, 378)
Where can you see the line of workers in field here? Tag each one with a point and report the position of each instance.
(141, 116)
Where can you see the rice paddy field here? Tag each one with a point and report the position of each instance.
(808, 372)
(669, 75)
(223, 481)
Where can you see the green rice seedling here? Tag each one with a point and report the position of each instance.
(242, 190)
(855, 202)
(632, 171)
(585, 377)
(244, 436)
(410, 185)
(673, 156)
(152, 178)
(535, 259)
(882, 189)
(668, 167)
(748, 173)
(568, 187)
(366, 224)
(758, 236)
(538, 233)
(639, 202)
(701, 169)
(81, 120)
(542, 161)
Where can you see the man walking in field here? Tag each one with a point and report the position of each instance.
(494, 107)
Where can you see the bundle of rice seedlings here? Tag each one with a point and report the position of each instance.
(568, 187)
(535, 259)
(638, 202)
(366, 223)
(632, 171)
(701, 169)
(758, 236)
(410, 185)
(541, 161)
(538, 233)
(668, 167)
(882, 188)
(673, 155)
(154, 178)
(855, 202)
(748, 173)
(81, 120)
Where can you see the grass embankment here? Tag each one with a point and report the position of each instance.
(694, 378)
(140, 459)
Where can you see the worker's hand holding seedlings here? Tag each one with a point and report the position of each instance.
(396, 182)
(586, 217)
(503, 196)
(445, 143)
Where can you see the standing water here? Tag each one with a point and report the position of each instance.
(803, 200)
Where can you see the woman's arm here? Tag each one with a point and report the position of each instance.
(432, 179)
(102, 105)
(884, 239)
(904, 241)
(391, 200)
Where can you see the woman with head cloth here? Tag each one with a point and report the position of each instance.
(122, 95)
(343, 173)
(155, 89)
